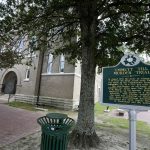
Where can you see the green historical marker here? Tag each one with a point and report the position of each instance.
(126, 84)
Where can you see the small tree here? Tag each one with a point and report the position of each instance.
(102, 26)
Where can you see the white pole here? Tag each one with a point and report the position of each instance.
(132, 130)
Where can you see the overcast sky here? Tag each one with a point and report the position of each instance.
(3, 1)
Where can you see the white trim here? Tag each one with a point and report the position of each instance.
(26, 80)
(60, 74)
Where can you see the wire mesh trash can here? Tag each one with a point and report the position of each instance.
(55, 132)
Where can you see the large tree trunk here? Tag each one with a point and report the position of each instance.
(84, 135)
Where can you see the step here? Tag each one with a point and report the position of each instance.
(4, 98)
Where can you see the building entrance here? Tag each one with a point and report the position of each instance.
(9, 83)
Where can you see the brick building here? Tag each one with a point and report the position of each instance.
(49, 81)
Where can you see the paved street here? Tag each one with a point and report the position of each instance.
(16, 123)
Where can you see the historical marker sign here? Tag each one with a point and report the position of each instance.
(128, 83)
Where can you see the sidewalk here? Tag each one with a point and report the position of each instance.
(16, 123)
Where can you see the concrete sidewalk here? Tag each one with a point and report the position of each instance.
(16, 123)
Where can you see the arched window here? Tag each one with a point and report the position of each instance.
(62, 63)
(49, 63)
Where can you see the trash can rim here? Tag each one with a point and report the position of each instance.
(56, 116)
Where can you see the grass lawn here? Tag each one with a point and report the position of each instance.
(99, 109)
(120, 123)
(22, 105)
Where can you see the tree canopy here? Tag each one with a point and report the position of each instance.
(90, 31)
(116, 22)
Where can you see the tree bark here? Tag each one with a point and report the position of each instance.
(84, 135)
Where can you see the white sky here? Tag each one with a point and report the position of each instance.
(3, 1)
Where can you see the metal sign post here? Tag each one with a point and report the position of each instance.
(132, 130)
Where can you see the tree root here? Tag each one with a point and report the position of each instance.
(83, 141)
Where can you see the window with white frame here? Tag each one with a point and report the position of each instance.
(62, 63)
(27, 74)
(49, 63)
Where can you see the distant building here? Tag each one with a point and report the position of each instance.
(49, 81)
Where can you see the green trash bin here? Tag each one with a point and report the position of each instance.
(55, 131)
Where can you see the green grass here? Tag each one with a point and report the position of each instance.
(31, 107)
(120, 123)
(143, 127)
(99, 109)
(22, 105)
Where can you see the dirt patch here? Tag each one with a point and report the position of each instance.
(116, 139)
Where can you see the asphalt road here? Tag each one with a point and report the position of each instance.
(16, 123)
